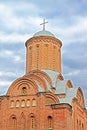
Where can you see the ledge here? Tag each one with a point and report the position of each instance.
(62, 106)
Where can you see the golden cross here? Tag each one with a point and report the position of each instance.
(44, 22)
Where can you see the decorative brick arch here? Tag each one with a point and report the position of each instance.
(80, 97)
(22, 121)
(12, 123)
(51, 99)
(60, 77)
(49, 122)
(69, 84)
(31, 121)
(43, 75)
(39, 81)
(16, 87)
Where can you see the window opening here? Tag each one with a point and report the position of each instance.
(24, 90)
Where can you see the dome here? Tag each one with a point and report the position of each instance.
(43, 33)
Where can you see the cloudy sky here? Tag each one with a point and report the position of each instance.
(20, 19)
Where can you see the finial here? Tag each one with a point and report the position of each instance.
(44, 22)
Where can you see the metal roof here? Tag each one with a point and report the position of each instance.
(43, 33)
(70, 94)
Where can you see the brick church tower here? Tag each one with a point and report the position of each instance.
(42, 99)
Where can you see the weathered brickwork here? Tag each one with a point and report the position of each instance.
(43, 53)
(42, 99)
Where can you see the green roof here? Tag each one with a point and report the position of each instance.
(43, 33)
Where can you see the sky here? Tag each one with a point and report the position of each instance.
(21, 19)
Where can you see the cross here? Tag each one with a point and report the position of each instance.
(44, 22)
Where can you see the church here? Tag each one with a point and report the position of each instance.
(42, 99)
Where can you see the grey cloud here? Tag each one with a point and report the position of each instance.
(75, 55)
(66, 24)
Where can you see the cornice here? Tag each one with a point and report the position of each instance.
(43, 39)
(62, 106)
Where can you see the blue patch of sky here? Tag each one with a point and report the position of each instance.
(7, 64)
(74, 64)
(76, 47)
(73, 57)
(8, 78)
(12, 46)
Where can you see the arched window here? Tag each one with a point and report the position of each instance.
(49, 123)
(32, 122)
(54, 56)
(28, 103)
(17, 103)
(13, 123)
(37, 55)
(77, 124)
(30, 57)
(12, 105)
(46, 55)
(24, 91)
(82, 126)
(34, 103)
(23, 103)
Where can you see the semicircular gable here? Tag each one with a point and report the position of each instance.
(69, 84)
(42, 75)
(39, 81)
(22, 86)
(51, 99)
(80, 97)
(60, 77)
